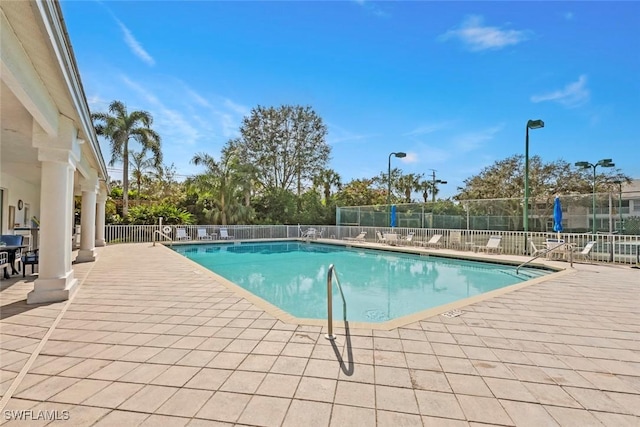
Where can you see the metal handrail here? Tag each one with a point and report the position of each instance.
(330, 274)
(545, 252)
(163, 235)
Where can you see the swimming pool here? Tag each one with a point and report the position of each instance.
(378, 285)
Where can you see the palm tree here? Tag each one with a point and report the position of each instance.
(119, 127)
(139, 165)
(224, 185)
(425, 186)
(408, 183)
(326, 179)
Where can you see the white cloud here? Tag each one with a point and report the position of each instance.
(410, 158)
(478, 37)
(572, 95)
(429, 128)
(473, 140)
(170, 123)
(372, 8)
(134, 45)
(337, 134)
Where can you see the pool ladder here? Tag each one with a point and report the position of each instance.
(332, 271)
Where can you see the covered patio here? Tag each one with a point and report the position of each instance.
(49, 151)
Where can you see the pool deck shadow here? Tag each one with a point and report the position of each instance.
(150, 339)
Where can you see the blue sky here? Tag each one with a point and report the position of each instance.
(450, 83)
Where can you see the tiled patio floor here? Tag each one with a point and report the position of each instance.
(150, 339)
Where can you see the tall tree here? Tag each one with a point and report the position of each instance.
(286, 145)
(140, 164)
(425, 186)
(407, 184)
(223, 185)
(119, 127)
(327, 179)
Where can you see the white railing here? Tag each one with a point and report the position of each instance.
(624, 249)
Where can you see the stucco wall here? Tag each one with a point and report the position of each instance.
(16, 189)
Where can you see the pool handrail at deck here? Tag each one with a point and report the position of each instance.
(330, 275)
(545, 252)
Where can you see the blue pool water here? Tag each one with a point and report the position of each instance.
(378, 285)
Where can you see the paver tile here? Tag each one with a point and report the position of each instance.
(185, 402)
(224, 407)
(80, 391)
(122, 418)
(176, 376)
(468, 384)
(243, 382)
(302, 412)
(429, 380)
(209, 379)
(352, 416)
(484, 409)
(528, 414)
(279, 385)
(396, 399)
(318, 389)
(265, 411)
(164, 421)
(113, 395)
(572, 417)
(438, 404)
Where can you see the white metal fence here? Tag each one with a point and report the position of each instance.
(613, 248)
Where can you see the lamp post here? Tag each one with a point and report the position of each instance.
(605, 163)
(531, 124)
(620, 205)
(399, 155)
(435, 181)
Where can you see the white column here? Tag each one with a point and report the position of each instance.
(58, 155)
(55, 280)
(87, 252)
(100, 213)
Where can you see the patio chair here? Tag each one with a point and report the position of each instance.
(203, 235)
(310, 233)
(408, 239)
(455, 239)
(380, 238)
(4, 264)
(30, 258)
(391, 239)
(181, 234)
(224, 234)
(492, 245)
(359, 238)
(433, 242)
(585, 253)
(535, 251)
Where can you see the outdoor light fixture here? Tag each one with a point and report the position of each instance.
(605, 163)
(399, 155)
(531, 124)
(434, 182)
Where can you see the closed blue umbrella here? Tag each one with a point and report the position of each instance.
(557, 216)
(393, 215)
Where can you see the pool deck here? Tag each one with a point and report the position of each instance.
(152, 339)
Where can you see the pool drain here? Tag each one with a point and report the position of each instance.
(452, 313)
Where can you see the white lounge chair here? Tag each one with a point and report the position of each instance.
(493, 245)
(535, 251)
(455, 239)
(224, 234)
(380, 238)
(203, 235)
(408, 239)
(433, 242)
(585, 253)
(181, 234)
(310, 233)
(359, 238)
